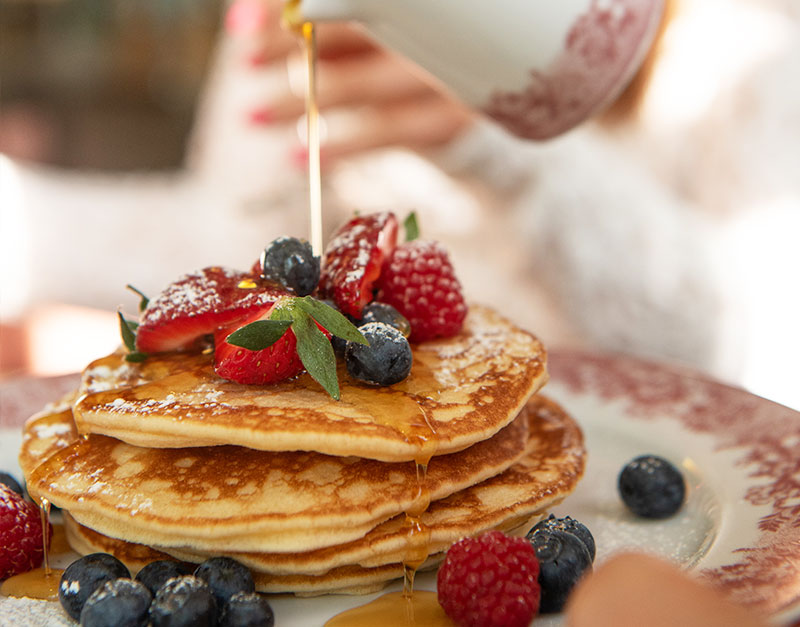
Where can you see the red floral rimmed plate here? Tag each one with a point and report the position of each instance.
(740, 526)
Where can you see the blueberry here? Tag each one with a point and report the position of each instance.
(291, 262)
(84, 576)
(563, 559)
(386, 361)
(225, 576)
(383, 312)
(117, 603)
(156, 574)
(651, 487)
(184, 602)
(568, 524)
(11, 482)
(247, 609)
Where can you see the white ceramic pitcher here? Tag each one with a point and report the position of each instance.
(539, 67)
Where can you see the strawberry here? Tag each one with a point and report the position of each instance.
(281, 341)
(20, 534)
(353, 260)
(418, 280)
(276, 362)
(200, 303)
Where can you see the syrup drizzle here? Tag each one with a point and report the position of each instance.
(39, 583)
(418, 432)
(312, 133)
(44, 514)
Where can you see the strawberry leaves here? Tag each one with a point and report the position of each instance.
(303, 316)
(411, 227)
(127, 329)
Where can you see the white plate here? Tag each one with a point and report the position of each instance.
(740, 527)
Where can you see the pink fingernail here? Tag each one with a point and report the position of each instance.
(257, 59)
(261, 117)
(298, 157)
(246, 17)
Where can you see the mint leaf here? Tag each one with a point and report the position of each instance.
(411, 227)
(136, 356)
(259, 335)
(143, 299)
(331, 319)
(315, 352)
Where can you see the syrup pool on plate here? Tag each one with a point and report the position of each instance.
(39, 583)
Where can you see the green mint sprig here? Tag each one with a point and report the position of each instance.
(300, 314)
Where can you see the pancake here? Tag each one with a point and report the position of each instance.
(511, 501)
(230, 498)
(461, 390)
(46, 432)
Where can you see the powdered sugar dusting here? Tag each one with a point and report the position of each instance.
(203, 292)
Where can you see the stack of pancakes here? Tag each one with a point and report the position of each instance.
(164, 459)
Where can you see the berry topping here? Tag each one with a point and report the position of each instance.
(385, 361)
(247, 609)
(156, 574)
(381, 312)
(20, 534)
(651, 487)
(198, 304)
(490, 580)
(84, 576)
(184, 602)
(568, 524)
(278, 361)
(293, 334)
(290, 262)
(117, 603)
(353, 260)
(419, 281)
(11, 482)
(225, 576)
(563, 559)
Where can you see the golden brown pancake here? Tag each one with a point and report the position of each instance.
(46, 432)
(461, 390)
(237, 499)
(553, 464)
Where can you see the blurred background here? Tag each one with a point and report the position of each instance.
(142, 140)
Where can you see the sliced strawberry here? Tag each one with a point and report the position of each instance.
(200, 303)
(353, 260)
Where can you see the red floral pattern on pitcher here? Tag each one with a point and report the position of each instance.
(600, 52)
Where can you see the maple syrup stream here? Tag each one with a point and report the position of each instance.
(418, 608)
(39, 583)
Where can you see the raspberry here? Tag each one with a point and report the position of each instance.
(418, 280)
(20, 534)
(489, 581)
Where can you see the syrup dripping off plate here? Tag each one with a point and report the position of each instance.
(740, 527)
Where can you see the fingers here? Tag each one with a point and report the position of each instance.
(632, 590)
(419, 124)
(355, 81)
